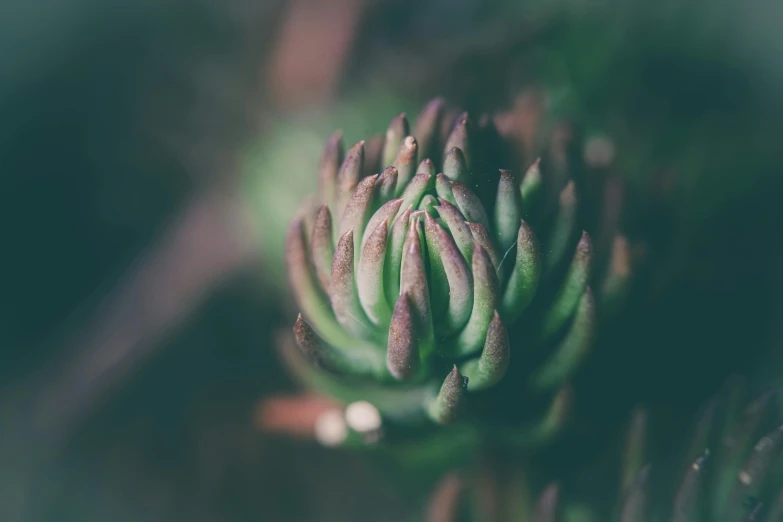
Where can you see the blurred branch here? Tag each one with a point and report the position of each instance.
(209, 241)
(313, 45)
(291, 415)
(444, 503)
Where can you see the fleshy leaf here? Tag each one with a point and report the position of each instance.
(330, 166)
(491, 366)
(348, 177)
(402, 355)
(427, 126)
(469, 204)
(387, 184)
(458, 227)
(571, 290)
(523, 283)
(447, 405)
(395, 133)
(345, 300)
(357, 211)
(323, 246)
(572, 350)
(454, 165)
(413, 281)
(369, 277)
(405, 163)
(451, 276)
(508, 211)
(485, 301)
(460, 138)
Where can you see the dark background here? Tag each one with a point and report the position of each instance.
(148, 154)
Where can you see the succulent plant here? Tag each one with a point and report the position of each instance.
(731, 470)
(432, 258)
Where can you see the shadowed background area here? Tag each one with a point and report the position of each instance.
(152, 155)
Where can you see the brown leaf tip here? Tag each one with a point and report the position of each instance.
(456, 383)
(506, 176)
(342, 263)
(456, 154)
(585, 246)
(568, 195)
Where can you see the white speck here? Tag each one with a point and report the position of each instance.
(599, 151)
(745, 478)
(363, 417)
(330, 429)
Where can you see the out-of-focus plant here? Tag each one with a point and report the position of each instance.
(730, 469)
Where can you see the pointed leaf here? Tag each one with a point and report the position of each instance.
(491, 366)
(312, 301)
(572, 350)
(428, 204)
(460, 138)
(451, 276)
(563, 228)
(369, 277)
(454, 165)
(469, 204)
(309, 343)
(386, 212)
(394, 250)
(413, 281)
(439, 282)
(508, 211)
(373, 149)
(323, 246)
(635, 448)
(396, 132)
(485, 301)
(571, 290)
(426, 167)
(357, 211)
(387, 184)
(687, 501)
(330, 165)
(458, 227)
(636, 502)
(405, 163)
(402, 356)
(345, 300)
(428, 125)
(523, 283)
(319, 355)
(418, 186)
(546, 507)
(348, 177)
(447, 405)
(443, 188)
(530, 189)
(481, 236)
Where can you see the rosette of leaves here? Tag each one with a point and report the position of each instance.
(454, 271)
(730, 469)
